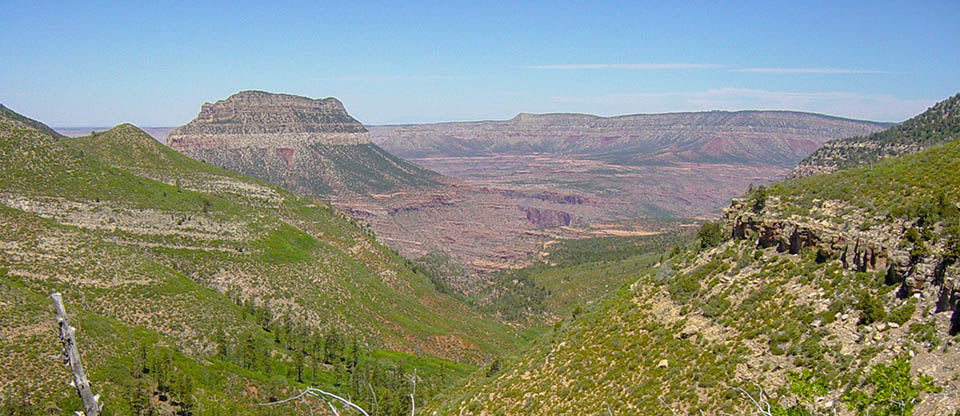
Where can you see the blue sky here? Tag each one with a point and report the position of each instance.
(154, 63)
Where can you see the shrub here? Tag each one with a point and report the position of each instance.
(919, 250)
(871, 309)
(902, 314)
(806, 386)
(951, 251)
(912, 235)
(716, 306)
(759, 199)
(494, 368)
(711, 234)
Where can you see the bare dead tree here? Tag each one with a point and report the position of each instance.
(413, 381)
(323, 395)
(330, 398)
(71, 357)
(761, 402)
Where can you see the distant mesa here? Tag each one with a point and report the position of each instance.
(780, 138)
(308, 145)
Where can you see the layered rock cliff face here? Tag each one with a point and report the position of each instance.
(779, 138)
(860, 251)
(939, 124)
(308, 145)
(247, 114)
(606, 169)
(862, 243)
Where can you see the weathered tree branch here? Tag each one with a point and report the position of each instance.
(71, 357)
(332, 408)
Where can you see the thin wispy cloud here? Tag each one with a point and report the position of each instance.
(400, 78)
(635, 67)
(824, 71)
(795, 98)
(728, 68)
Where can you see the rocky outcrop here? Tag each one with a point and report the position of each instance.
(949, 298)
(858, 253)
(875, 248)
(554, 197)
(779, 138)
(862, 252)
(253, 112)
(543, 218)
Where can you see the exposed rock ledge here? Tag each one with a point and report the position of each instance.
(876, 248)
(263, 140)
(545, 218)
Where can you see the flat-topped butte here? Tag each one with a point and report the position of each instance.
(257, 118)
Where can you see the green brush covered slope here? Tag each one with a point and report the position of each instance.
(572, 274)
(832, 294)
(9, 114)
(195, 289)
(939, 124)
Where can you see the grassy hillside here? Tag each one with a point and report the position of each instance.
(834, 294)
(912, 186)
(196, 288)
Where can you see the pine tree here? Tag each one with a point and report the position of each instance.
(354, 356)
(139, 397)
(298, 363)
(220, 338)
(250, 355)
(332, 347)
(162, 367)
